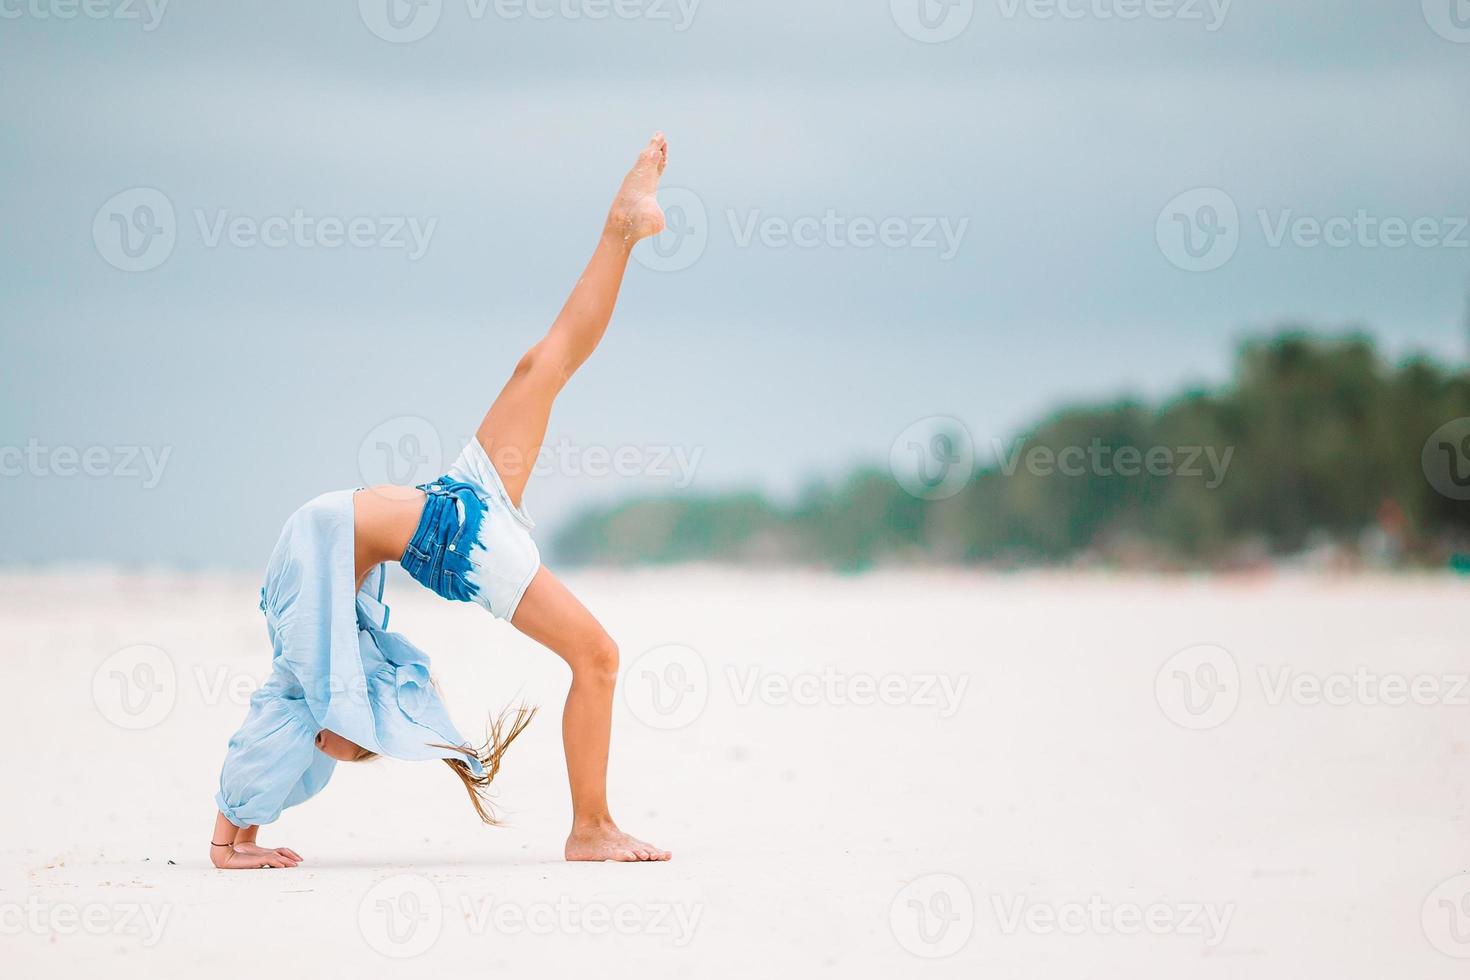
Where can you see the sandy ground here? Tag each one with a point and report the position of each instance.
(911, 774)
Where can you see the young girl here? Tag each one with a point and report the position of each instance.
(343, 689)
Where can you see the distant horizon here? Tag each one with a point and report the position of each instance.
(984, 460)
(785, 492)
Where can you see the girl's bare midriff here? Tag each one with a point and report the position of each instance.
(385, 519)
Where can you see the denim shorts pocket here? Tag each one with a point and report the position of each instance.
(471, 510)
(457, 544)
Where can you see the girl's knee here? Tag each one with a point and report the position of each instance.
(543, 364)
(598, 659)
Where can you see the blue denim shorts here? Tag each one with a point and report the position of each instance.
(472, 543)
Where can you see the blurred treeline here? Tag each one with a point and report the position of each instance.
(1324, 441)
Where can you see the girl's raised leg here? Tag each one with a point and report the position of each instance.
(515, 426)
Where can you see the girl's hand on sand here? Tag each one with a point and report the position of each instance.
(242, 856)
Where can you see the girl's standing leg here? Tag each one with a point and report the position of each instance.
(552, 616)
(511, 434)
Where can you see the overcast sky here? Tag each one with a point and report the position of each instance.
(255, 253)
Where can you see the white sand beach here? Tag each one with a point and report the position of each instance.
(891, 775)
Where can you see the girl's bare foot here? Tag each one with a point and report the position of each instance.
(605, 842)
(635, 212)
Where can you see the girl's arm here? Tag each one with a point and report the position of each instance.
(234, 847)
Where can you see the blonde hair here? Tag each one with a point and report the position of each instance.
(499, 733)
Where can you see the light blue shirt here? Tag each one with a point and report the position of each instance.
(334, 666)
